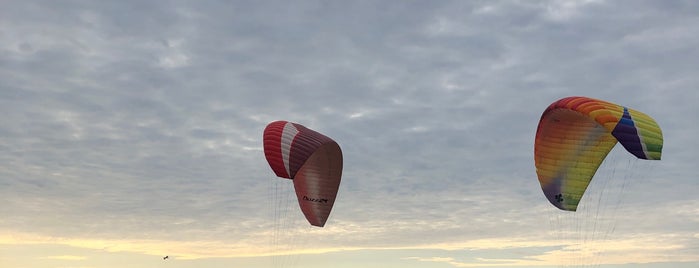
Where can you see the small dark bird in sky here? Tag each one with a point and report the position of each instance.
(166, 257)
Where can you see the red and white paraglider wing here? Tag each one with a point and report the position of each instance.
(312, 160)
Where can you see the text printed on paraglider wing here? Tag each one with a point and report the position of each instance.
(559, 198)
(319, 200)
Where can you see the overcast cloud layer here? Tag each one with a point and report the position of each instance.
(131, 130)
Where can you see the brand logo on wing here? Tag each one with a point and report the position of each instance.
(317, 200)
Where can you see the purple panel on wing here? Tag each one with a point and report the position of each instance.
(553, 193)
(627, 134)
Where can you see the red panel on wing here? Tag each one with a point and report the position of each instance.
(272, 143)
(317, 183)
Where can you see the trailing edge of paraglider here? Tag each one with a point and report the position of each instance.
(312, 160)
(576, 133)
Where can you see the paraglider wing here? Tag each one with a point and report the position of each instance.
(574, 136)
(312, 160)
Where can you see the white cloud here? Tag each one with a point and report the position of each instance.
(67, 257)
(131, 123)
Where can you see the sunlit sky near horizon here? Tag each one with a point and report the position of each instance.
(132, 130)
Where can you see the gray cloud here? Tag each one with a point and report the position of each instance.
(137, 120)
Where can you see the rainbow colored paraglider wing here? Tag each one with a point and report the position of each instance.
(312, 160)
(576, 133)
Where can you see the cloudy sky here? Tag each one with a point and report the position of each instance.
(131, 130)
